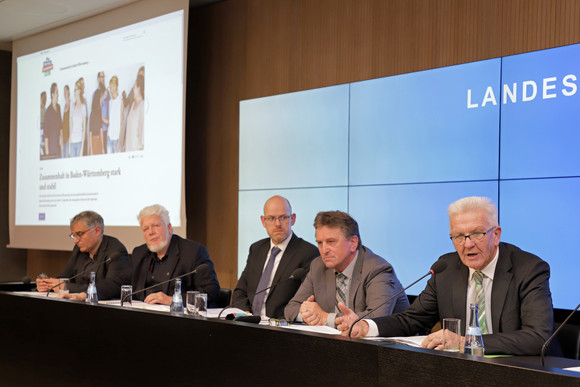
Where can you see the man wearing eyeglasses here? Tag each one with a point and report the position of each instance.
(92, 249)
(264, 288)
(510, 286)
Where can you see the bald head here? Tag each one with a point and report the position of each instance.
(278, 218)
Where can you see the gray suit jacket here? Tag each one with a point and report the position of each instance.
(373, 282)
(521, 303)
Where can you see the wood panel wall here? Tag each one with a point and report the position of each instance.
(242, 49)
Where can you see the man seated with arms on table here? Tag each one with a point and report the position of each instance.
(515, 306)
(92, 249)
(346, 272)
(271, 262)
(165, 256)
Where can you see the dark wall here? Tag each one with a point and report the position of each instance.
(12, 261)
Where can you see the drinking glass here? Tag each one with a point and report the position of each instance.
(451, 334)
(201, 304)
(191, 302)
(64, 288)
(126, 294)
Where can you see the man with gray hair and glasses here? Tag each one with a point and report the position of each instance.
(91, 251)
(511, 287)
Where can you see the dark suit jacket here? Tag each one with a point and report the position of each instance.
(373, 282)
(298, 254)
(184, 255)
(521, 303)
(110, 276)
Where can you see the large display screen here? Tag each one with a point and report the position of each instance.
(395, 152)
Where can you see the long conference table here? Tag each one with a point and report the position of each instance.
(49, 341)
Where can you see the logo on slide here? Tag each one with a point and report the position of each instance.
(41, 216)
(47, 67)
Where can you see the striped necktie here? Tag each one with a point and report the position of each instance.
(340, 290)
(480, 300)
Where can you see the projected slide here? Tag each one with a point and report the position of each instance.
(108, 133)
(504, 128)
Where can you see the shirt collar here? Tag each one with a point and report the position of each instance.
(350, 268)
(282, 246)
(489, 270)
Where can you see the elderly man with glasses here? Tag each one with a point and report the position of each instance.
(91, 253)
(511, 287)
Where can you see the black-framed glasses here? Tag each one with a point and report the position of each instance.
(474, 237)
(79, 234)
(273, 219)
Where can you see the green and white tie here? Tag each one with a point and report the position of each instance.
(480, 300)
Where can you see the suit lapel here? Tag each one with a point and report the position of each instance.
(329, 295)
(356, 279)
(261, 255)
(286, 259)
(501, 280)
(172, 264)
(459, 291)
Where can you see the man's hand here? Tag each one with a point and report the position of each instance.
(74, 296)
(312, 313)
(158, 298)
(44, 284)
(435, 340)
(344, 323)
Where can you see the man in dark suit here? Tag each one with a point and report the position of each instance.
(515, 302)
(92, 248)
(347, 271)
(165, 256)
(294, 253)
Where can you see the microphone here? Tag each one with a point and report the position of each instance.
(297, 275)
(201, 270)
(542, 354)
(115, 255)
(437, 267)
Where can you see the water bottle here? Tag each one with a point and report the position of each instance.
(92, 290)
(473, 338)
(177, 301)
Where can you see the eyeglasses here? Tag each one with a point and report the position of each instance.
(475, 237)
(79, 234)
(273, 219)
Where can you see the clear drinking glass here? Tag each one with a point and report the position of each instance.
(191, 302)
(201, 304)
(451, 334)
(126, 294)
(64, 288)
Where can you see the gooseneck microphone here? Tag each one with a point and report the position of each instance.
(200, 270)
(437, 267)
(115, 255)
(297, 275)
(542, 354)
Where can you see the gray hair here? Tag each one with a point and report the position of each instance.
(155, 209)
(475, 203)
(90, 219)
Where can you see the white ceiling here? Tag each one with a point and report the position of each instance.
(21, 18)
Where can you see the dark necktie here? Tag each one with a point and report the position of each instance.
(340, 290)
(264, 282)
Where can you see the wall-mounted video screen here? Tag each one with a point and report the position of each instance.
(395, 152)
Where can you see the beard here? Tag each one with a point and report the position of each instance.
(158, 247)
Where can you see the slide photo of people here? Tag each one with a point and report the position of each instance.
(110, 119)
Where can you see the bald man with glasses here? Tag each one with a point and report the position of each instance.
(92, 248)
(514, 292)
